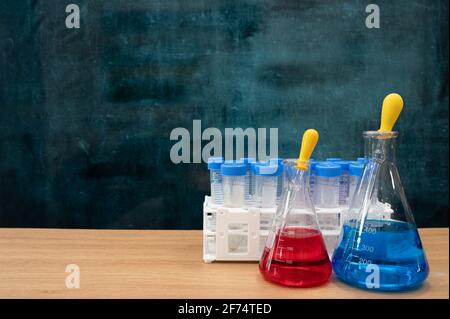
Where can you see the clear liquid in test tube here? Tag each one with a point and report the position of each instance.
(326, 190)
(233, 179)
(266, 177)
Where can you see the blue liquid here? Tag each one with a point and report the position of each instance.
(389, 248)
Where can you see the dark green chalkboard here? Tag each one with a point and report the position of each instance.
(86, 113)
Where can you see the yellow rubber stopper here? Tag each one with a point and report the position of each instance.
(309, 141)
(392, 106)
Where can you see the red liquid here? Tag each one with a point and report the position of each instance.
(299, 259)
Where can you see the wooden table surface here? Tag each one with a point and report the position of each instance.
(164, 264)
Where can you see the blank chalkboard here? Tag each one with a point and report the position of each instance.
(87, 113)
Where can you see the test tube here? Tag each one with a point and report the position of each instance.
(214, 164)
(326, 189)
(355, 171)
(279, 161)
(249, 180)
(266, 177)
(343, 182)
(312, 177)
(233, 175)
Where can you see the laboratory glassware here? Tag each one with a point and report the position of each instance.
(355, 172)
(326, 190)
(343, 182)
(249, 180)
(279, 162)
(312, 177)
(295, 254)
(233, 180)
(214, 164)
(378, 252)
(266, 179)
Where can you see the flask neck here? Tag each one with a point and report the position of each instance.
(295, 178)
(380, 146)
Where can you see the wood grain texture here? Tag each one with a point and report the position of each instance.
(164, 264)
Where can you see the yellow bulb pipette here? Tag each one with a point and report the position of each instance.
(392, 106)
(309, 141)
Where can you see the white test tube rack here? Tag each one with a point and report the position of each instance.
(224, 242)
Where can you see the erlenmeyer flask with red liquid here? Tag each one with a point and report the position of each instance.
(295, 254)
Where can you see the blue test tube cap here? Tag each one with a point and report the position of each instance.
(248, 161)
(278, 161)
(361, 160)
(267, 169)
(356, 169)
(334, 159)
(258, 163)
(233, 168)
(214, 163)
(344, 165)
(325, 169)
(233, 162)
(312, 166)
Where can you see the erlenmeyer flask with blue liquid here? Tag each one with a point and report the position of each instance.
(380, 247)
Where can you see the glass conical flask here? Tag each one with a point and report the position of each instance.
(295, 253)
(379, 246)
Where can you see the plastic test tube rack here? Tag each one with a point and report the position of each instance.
(234, 234)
